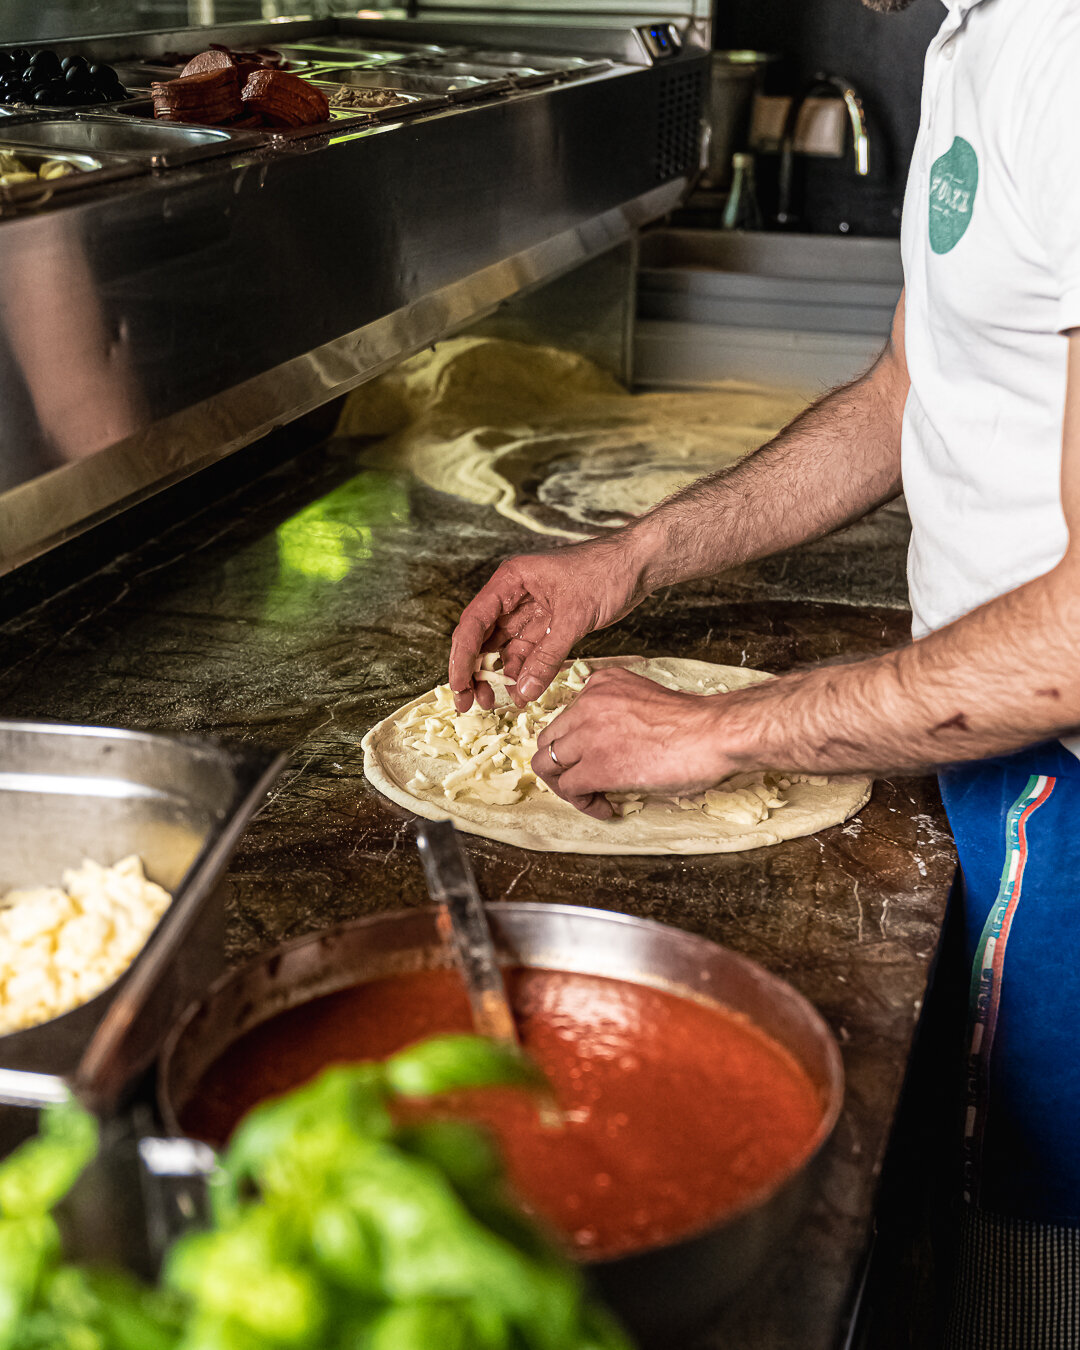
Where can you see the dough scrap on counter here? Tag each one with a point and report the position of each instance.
(548, 438)
(474, 768)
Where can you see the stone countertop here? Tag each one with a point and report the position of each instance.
(315, 599)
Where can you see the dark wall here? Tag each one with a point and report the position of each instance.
(882, 55)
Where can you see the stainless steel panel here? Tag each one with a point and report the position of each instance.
(161, 143)
(69, 793)
(56, 506)
(590, 310)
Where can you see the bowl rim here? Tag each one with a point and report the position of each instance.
(833, 1089)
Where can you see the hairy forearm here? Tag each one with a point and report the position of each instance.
(1005, 676)
(831, 465)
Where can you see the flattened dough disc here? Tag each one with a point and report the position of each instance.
(546, 823)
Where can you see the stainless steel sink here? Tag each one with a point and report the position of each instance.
(787, 309)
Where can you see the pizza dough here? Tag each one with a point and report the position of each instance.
(549, 439)
(410, 755)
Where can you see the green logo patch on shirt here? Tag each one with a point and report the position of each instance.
(954, 180)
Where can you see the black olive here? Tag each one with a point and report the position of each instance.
(5, 63)
(46, 65)
(20, 57)
(43, 97)
(104, 74)
(31, 77)
(16, 91)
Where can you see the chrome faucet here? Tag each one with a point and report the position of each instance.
(821, 84)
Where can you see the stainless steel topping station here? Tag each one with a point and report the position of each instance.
(205, 285)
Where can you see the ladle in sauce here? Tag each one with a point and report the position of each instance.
(463, 923)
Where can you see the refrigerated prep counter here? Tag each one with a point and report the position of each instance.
(171, 292)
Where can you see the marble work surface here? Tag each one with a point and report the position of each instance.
(309, 604)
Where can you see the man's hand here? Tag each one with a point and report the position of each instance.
(535, 608)
(626, 733)
(831, 465)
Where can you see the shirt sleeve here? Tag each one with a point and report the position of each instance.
(1047, 148)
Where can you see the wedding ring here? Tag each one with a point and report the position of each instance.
(554, 757)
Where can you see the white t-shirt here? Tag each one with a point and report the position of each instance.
(991, 248)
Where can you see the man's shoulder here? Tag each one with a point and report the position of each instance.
(1042, 23)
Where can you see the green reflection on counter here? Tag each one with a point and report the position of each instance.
(326, 540)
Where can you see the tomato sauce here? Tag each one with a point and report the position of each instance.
(677, 1112)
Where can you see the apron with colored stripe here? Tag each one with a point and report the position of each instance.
(1015, 822)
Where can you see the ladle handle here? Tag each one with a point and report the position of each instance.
(452, 885)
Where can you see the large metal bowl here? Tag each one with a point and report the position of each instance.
(661, 1293)
(74, 792)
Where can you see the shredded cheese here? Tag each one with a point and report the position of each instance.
(492, 752)
(492, 749)
(60, 947)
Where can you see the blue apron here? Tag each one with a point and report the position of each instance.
(1016, 821)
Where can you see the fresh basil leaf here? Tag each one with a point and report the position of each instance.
(40, 1172)
(448, 1063)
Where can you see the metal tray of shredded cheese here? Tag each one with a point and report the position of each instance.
(71, 793)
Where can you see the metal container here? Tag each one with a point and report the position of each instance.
(145, 142)
(404, 104)
(664, 1293)
(734, 80)
(140, 75)
(336, 56)
(87, 170)
(38, 109)
(457, 88)
(560, 65)
(355, 44)
(71, 792)
(522, 76)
